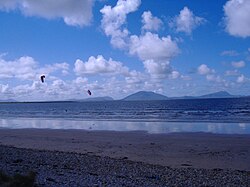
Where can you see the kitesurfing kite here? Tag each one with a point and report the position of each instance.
(89, 92)
(42, 78)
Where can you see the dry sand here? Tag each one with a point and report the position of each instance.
(196, 150)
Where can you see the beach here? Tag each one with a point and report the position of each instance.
(197, 155)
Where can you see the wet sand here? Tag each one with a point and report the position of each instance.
(176, 150)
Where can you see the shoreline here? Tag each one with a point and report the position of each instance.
(175, 150)
(151, 127)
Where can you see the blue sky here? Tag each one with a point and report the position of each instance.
(117, 47)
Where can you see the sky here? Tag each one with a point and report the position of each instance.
(118, 47)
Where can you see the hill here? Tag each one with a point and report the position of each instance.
(144, 95)
(221, 94)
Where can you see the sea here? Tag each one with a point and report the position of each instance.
(226, 116)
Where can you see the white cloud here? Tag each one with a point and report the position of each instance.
(214, 78)
(237, 14)
(135, 77)
(204, 69)
(30, 88)
(74, 13)
(154, 51)
(229, 53)
(158, 69)
(239, 64)
(151, 47)
(232, 73)
(80, 80)
(241, 79)
(22, 68)
(99, 65)
(38, 91)
(4, 88)
(114, 18)
(186, 21)
(150, 22)
(210, 74)
(8, 4)
(26, 68)
(174, 75)
(64, 67)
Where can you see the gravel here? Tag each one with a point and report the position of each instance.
(56, 168)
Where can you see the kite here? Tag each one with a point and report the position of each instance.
(89, 92)
(42, 78)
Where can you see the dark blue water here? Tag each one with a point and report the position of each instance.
(199, 110)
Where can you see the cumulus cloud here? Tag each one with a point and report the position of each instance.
(150, 22)
(157, 69)
(214, 78)
(239, 64)
(40, 92)
(203, 69)
(155, 52)
(22, 68)
(151, 47)
(74, 13)
(186, 21)
(114, 18)
(211, 75)
(135, 77)
(99, 65)
(26, 68)
(174, 75)
(80, 80)
(237, 13)
(63, 67)
(241, 79)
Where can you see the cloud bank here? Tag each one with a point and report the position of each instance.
(74, 13)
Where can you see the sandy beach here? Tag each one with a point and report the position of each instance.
(188, 151)
(197, 150)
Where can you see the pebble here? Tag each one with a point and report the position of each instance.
(56, 168)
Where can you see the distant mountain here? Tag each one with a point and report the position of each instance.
(221, 94)
(184, 97)
(97, 99)
(143, 95)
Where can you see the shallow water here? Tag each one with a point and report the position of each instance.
(226, 116)
(150, 127)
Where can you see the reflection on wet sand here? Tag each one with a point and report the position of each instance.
(150, 127)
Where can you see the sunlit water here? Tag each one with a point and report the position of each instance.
(150, 127)
(227, 116)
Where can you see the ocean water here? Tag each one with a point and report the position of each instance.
(197, 115)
